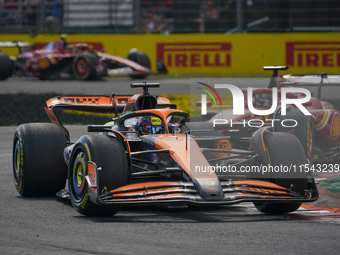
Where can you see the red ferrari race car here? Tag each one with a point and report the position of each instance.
(59, 59)
(319, 133)
(152, 155)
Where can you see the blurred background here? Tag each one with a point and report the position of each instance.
(168, 16)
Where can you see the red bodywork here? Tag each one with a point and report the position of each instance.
(323, 112)
(326, 119)
(58, 54)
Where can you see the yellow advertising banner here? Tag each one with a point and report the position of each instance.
(218, 54)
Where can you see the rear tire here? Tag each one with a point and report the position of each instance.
(141, 58)
(84, 66)
(284, 149)
(109, 154)
(38, 162)
(6, 66)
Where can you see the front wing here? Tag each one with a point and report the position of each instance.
(185, 192)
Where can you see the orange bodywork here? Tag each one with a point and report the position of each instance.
(91, 171)
(138, 192)
(261, 195)
(268, 191)
(106, 101)
(183, 154)
(201, 183)
(144, 185)
(163, 113)
(259, 183)
(102, 104)
(181, 151)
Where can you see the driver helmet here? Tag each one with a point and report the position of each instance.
(263, 100)
(63, 38)
(148, 125)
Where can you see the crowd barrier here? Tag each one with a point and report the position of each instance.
(218, 54)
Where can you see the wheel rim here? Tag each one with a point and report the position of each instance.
(78, 175)
(16, 162)
(81, 66)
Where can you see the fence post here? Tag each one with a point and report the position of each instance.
(239, 16)
(116, 18)
(138, 16)
(20, 9)
(42, 16)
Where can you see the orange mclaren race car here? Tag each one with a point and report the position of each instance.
(151, 155)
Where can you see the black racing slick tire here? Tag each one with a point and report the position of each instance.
(304, 130)
(6, 66)
(107, 153)
(141, 58)
(38, 163)
(284, 149)
(84, 66)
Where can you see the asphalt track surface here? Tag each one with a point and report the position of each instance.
(107, 86)
(52, 226)
(122, 86)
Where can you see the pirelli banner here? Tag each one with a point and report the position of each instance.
(216, 54)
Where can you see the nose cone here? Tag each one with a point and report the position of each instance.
(209, 189)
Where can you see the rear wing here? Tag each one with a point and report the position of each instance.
(19, 45)
(313, 80)
(113, 104)
(276, 79)
(275, 69)
(319, 81)
(99, 104)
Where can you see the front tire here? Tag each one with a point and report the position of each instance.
(109, 154)
(38, 162)
(284, 149)
(304, 131)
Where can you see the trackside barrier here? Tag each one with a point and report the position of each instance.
(218, 54)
